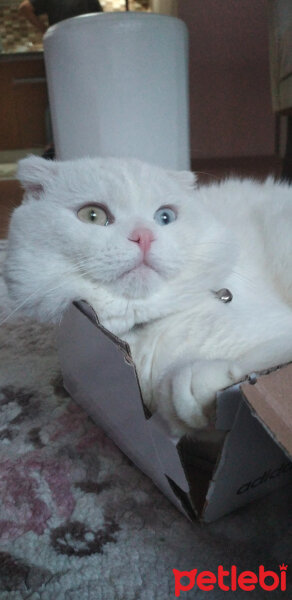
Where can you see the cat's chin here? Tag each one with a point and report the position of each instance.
(139, 282)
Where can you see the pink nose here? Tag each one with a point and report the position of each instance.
(143, 237)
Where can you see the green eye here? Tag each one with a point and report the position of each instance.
(165, 215)
(93, 214)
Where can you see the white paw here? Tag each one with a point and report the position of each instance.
(186, 395)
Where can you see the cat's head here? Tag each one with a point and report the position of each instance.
(90, 224)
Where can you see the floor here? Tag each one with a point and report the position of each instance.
(207, 169)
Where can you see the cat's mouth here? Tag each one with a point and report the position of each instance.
(142, 268)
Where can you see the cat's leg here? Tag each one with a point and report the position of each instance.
(185, 395)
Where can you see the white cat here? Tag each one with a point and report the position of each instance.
(148, 250)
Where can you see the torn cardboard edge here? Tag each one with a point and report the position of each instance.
(268, 401)
(208, 475)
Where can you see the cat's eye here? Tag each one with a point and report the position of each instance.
(94, 214)
(165, 215)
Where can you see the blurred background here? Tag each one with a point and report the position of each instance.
(240, 71)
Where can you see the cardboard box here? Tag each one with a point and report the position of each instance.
(247, 455)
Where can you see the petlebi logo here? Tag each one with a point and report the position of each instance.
(230, 580)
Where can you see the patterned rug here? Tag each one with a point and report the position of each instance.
(77, 520)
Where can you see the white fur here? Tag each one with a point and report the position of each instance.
(186, 343)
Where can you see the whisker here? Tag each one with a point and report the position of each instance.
(15, 310)
(72, 271)
(244, 278)
(209, 174)
(207, 243)
(84, 265)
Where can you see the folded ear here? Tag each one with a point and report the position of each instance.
(35, 173)
(187, 178)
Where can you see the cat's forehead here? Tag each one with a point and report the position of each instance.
(122, 182)
(125, 182)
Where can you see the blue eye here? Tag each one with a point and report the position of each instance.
(164, 216)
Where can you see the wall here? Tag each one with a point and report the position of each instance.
(230, 99)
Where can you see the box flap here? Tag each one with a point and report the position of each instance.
(101, 376)
(209, 474)
(271, 400)
(227, 404)
(250, 466)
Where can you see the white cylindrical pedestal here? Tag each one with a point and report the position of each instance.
(118, 86)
